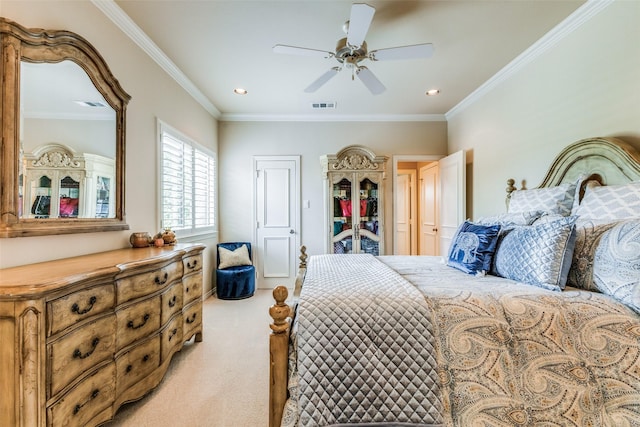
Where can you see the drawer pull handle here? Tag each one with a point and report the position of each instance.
(172, 301)
(173, 333)
(75, 308)
(145, 358)
(144, 320)
(162, 281)
(79, 406)
(192, 319)
(77, 354)
(129, 368)
(194, 265)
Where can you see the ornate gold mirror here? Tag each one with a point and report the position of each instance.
(63, 131)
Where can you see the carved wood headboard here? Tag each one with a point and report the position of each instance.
(610, 161)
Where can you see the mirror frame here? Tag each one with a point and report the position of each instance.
(39, 46)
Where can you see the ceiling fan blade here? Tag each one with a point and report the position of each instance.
(370, 80)
(359, 22)
(304, 51)
(320, 81)
(415, 51)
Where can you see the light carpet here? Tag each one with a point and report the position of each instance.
(222, 381)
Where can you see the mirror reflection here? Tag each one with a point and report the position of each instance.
(67, 164)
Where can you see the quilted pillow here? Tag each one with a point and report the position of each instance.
(539, 255)
(558, 200)
(616, 267)
(233, 258)
(473, 247)
(610, 202)
(507, 219)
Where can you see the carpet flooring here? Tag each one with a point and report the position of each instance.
(220, 382)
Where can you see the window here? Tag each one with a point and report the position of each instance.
(187, 184)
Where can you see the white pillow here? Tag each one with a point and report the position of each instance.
(552, 200)
(610, 202)
(234, 258)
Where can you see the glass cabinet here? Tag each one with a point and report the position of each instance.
(57, 183)
(355, 210)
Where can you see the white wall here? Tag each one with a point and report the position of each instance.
(153, 95)
(240, 141)
(586, 85)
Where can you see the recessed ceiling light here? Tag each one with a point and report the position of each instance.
(240, 91)
(433, 92)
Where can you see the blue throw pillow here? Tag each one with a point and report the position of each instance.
(473, 247)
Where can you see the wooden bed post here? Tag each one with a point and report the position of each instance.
(278, 355)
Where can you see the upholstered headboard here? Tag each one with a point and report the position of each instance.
(609, 161)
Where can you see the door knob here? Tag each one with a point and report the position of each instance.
(292, 232)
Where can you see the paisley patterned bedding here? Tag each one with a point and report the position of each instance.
(476, 351)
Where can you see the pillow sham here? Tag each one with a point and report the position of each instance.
(558, 200)
(507, 219)
(610, 202)
(616, 266)
(229, 258)
(539, 255)
(472, 247)
(588, 235)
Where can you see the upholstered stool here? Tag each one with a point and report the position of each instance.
(235, 273)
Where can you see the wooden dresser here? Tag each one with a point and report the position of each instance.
(81, 336)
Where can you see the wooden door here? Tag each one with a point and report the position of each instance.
(428, 230)
(405, 213)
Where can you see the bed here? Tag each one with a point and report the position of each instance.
(532, 318)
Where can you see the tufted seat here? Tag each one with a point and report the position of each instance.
(237, 281)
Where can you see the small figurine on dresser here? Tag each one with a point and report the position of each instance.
(168, 236)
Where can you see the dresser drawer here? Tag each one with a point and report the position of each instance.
(171, 302)
(192, 264)
(192, 286)
(171, 337)
(72, 308)
(139, 285)
(80, 350)
(92, 396)
(136, 363)
(137, 321)
(192, 316)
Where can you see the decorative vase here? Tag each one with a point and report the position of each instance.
(140, 239)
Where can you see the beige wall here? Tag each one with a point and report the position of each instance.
(240, 141)
(153, 95)
(585, 86)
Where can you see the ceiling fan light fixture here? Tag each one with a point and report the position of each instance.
(432, 92)
(240, 91)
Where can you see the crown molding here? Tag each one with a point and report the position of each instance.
(333, 118)
(129, 28)
(559, 32)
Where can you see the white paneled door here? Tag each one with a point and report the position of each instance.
(429, 209)
(277, 215)
(453, 196)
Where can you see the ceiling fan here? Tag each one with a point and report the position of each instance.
(352, 50)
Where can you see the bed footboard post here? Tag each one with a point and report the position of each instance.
(278, 355)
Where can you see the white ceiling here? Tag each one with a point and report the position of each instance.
(220, 45)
